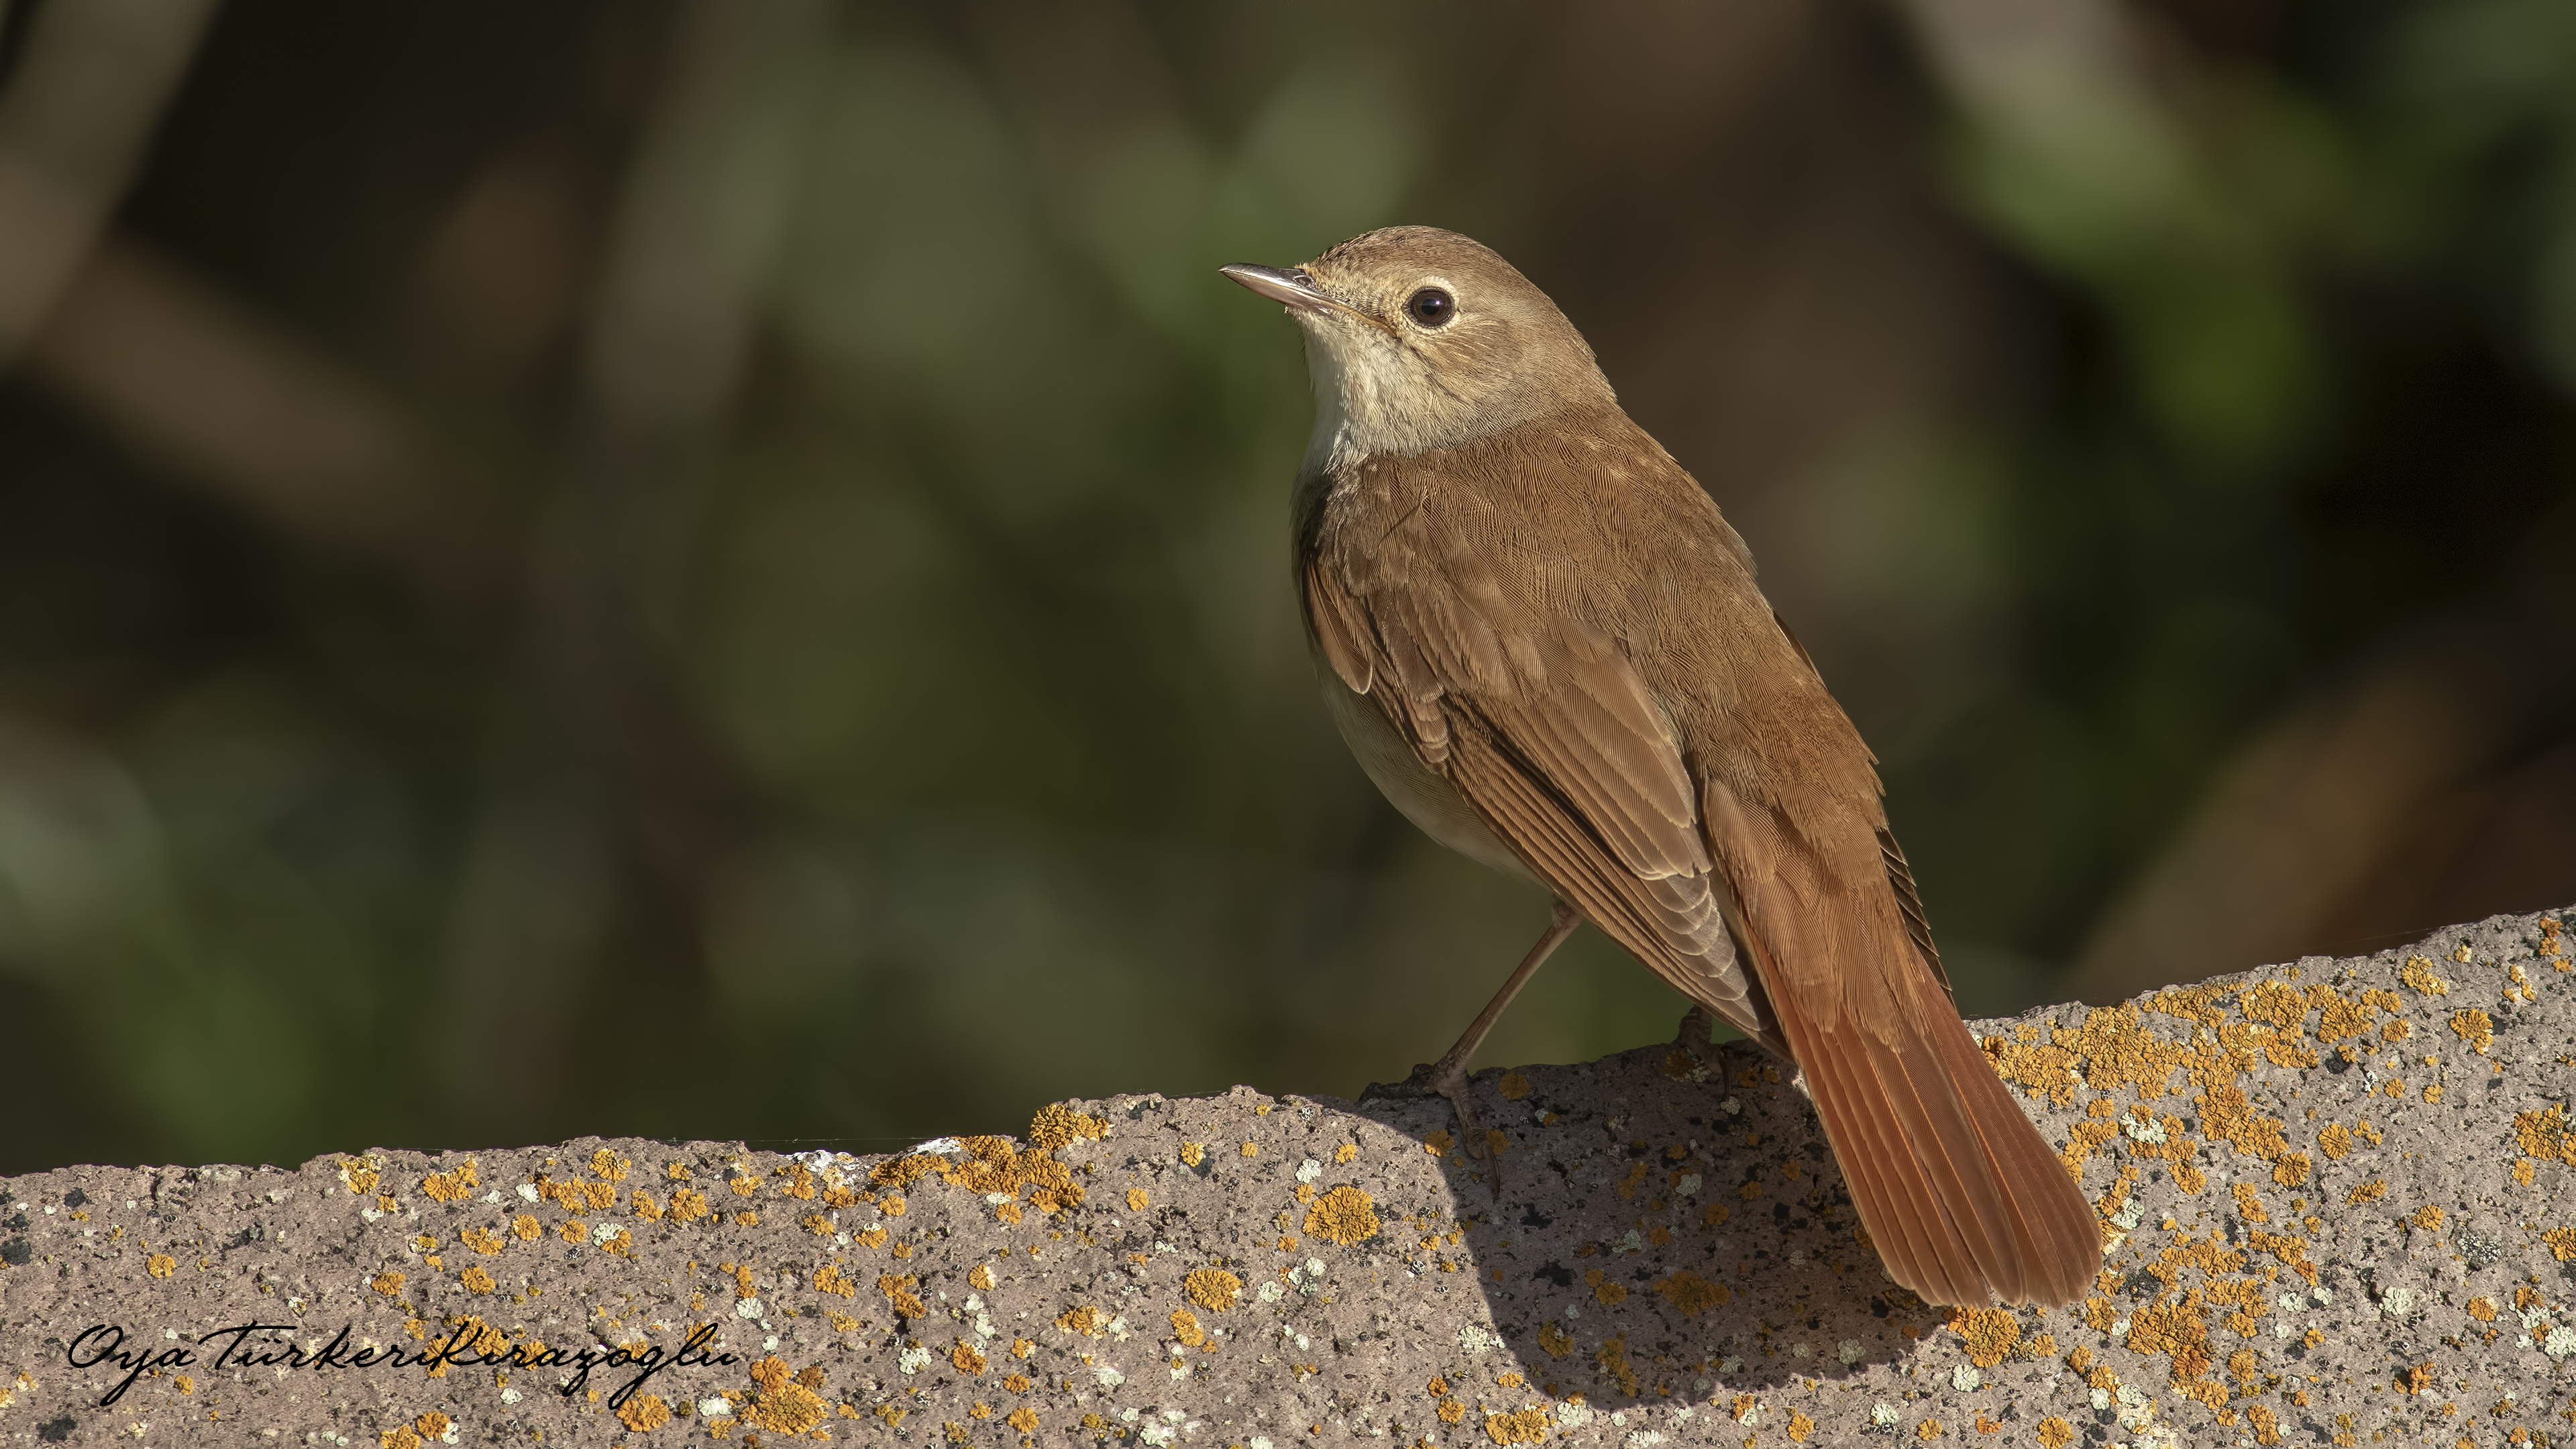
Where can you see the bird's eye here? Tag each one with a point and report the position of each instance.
(1431, 306)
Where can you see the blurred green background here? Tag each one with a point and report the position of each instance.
(720, 568)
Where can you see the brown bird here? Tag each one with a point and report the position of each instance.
(1547, 648)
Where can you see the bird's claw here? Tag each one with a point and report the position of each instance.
(1428, 1080)
(1412, 1088)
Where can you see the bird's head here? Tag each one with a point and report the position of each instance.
(1421, 339)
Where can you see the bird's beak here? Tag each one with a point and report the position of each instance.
(1293, 288)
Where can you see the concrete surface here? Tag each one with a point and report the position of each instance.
(2337, 1195)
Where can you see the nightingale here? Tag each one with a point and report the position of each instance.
(1546, 646)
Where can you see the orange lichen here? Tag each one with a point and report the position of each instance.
(2474, 1027)
(480, 1240)
(1137, 1200)
(1084, 1319)
(389, 1284)
(454, 1185)
(2117, 1050)
(2291, 1251)
(2291, 1170)
(789, 1409)
(1528, 1426)
(1691, 1293)
(160, 1265)
(2226, 1115)
(2482, 1309)
(644, 1413)
(2043, 1070)
(609, 1166)
(1186, 1329)
(1345, 1215)
(2341, 1018)
(2274, 1002)
(2334, 1141)
(898, 1290)
(2055, 1433)
(1023, 1418)
(1213, 1289)
(2177, 1329)
(2562, 1243)
(476, 1280)
(1627, 1186)
(1057, 1125)
(2418, 973)
(1800, 1426)
(992, 1166)
(1989, 1333)
(830, 1279)
(2544, 1134)
(967, 1357)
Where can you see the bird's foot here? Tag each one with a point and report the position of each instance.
(1449, 1080)
(1411, 1089)
(1690, 1055)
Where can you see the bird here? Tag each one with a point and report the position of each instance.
(1546, 646)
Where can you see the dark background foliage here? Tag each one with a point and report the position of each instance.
(718, 569)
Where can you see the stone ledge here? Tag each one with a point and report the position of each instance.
(2337, 1195)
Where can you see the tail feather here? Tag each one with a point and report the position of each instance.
(1963, 1199)
(1894, 1201)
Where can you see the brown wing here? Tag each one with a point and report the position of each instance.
(1553, 741)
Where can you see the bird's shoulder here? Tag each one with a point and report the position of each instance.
(1579, 537)
(1571, 484)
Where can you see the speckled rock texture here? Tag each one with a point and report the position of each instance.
(2336, 1199)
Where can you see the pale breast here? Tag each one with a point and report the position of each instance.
(1399, 774)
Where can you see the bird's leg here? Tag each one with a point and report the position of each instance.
(1447, 1077)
